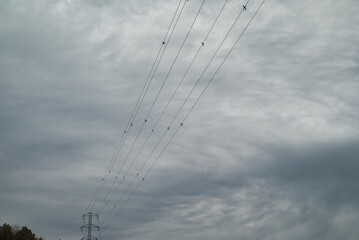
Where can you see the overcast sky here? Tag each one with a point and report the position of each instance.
(269, 152)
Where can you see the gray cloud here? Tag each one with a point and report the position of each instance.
(270, 151)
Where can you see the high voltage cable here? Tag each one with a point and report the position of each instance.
(166, 44)
(161, 115)
(150, 110)
(191, 63)
(184, 119)
(108, 171)
(228, 32)
(215, 73)
(140, 103)
(139, 183)
(175, 60)
(154, 63)
(133, 179)
(133, 115)
(209, 63)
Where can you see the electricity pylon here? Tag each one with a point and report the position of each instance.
(89, 225)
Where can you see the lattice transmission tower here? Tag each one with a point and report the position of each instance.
(89, 225)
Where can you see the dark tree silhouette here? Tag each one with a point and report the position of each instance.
(8, 232)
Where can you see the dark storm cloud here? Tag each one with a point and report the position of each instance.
(268, 153)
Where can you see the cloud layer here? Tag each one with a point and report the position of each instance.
(269, 152)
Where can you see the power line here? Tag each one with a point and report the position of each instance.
(228, 32)
(209, 63)
(184, 119)
(141, 101)
(175, 60)
(133, 115)
(214, 75)
(150, 110)
(171, 98)
(190, 65)
(135, 177)
(166, 44)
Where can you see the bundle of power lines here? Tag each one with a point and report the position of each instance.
(123, 177)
